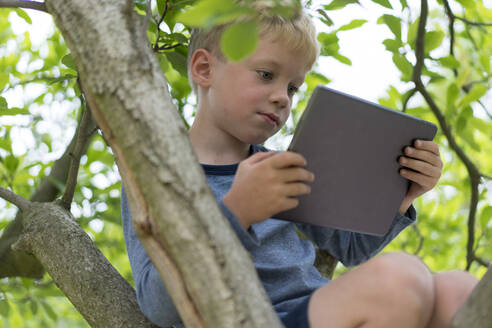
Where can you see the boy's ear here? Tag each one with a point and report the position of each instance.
(201, 67)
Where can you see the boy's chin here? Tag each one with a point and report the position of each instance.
(258, 140)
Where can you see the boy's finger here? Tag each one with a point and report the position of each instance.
(294, 174)
(296, 189)
(286, 159)
(259, 156)
(427, 145)
(424, 155)
(421, 167)
(423, 180)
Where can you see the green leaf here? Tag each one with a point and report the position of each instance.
(4, 308)
(22, 14)
(404, 66)
(161, 6)
(449, 62)
(67, 60)
(206, 13)
(11, 163)
(484, 60)
(3, 103)
(326, 19)
(5, 144)
(433, 40)
(239, 40)
(353, 24)
(180, 38)
(48, 309)
(477, 92)
(393, 45)
(4, 79)
(329, 43)
(338, 4)
(468, 4)
(178, 61)
(412, 33)
(14, 111)
(384, 3)
(34, 306)
(404, 4)
(342, 59)
(452, 95)
(462, 121)
(394, 24)
(486, 216)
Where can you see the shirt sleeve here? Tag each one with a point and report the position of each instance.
(152, 296)
(352, 248)
(248, 237)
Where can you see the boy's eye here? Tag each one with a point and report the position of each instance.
(292, 90)
(265, 75)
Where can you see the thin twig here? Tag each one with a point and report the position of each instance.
(473, 171)
(472, 23)
(84, 133)
(405, 102)
(15, 199)
(23, 4)
(156, 45)
(170, 47)
(481, 261)
(452, 18)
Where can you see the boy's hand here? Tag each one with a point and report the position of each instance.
(265, 184)
(425, 161)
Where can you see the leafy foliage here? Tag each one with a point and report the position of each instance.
(40, 103)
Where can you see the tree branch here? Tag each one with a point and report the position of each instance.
(15, 199)
(86, 129)
(481, 261)
(473, 171)
(156, 45)
(23, 4)
(472, 23)
(407, 99)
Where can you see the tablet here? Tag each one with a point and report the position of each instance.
(352, 146)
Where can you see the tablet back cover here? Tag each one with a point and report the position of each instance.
(352, 146)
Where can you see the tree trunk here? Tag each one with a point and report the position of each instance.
(476, 312)
(209, 274)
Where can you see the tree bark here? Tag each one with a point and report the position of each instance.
(209, 274)
(476, 311)
(78, 268)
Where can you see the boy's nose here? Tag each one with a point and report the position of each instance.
(280, 97)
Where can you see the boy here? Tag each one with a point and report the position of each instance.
(242, 104)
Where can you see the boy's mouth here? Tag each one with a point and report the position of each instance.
(271, 118)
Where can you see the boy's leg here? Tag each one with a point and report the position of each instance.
(393, 289)
(451, 290)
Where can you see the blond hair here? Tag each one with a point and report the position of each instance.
(296, 32)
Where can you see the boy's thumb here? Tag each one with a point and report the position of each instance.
(260, 156)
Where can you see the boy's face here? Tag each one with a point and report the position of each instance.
(251, 100)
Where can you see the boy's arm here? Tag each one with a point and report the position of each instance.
(352, 248)
(152, 295)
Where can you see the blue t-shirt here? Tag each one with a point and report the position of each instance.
(284, 262)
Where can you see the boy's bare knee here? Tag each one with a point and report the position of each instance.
(406, 282)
